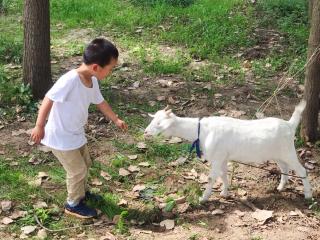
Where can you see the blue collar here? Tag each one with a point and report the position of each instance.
(196, 143)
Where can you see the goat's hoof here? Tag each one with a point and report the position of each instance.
(203, 200)
(224, 194)
(280, 189)
(308, 195)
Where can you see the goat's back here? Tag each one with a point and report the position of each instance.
(249, 140)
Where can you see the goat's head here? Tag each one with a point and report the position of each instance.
(160, 124)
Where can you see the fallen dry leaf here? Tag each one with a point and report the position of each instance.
(28, 229)
(6, 220)
(42, 234)
(179, 161)
(239, 213)
(132, 157)
(136, 84)
(217, 95)
(161, 98)
(242, 192)
(14, 164)
(208, 86)
(217, 212)
(34, 160)
(123, 172)
(182, 208)
(168, 224)
(144, 164)
(180, 200)
(43, 148)
(37, 182)
(123, 202)
(40, 204)
(139, 187)
(108, 236)
(6, 205)
(236, 113)
(165, 83)
(259, 115)
(18, 214)
(246, 64)
(296, 212)
(203, 178)
(262, 215)
(105, 175)
(18, 132)
(96, 182)
(133, 168)
(171, 100)
(31, 143)
(141, 145)
(174, 140)
(309, 166)
(43, 175)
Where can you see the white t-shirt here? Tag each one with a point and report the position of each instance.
(69, 113)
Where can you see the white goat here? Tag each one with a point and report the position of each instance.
(223, 139)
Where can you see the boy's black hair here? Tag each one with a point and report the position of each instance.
(100, 51)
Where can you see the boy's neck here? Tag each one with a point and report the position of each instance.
(85, 75)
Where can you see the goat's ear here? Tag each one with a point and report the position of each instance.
(168, 112)
(151, 115)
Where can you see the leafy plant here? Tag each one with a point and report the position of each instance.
(12, 93)
(10, 49)
(170, 204)
(121, 225)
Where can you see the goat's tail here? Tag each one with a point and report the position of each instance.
(296, 116)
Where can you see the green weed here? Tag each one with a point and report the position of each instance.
(10, 49)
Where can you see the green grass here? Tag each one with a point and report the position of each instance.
(201, 29)
(161, 37)
(205, 27)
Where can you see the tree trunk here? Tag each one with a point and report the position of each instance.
(310, 8)
(36, 56)
(309, 131)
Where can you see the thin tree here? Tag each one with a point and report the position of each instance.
(36, 57)
(309, 127)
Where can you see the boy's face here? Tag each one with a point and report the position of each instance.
(102, 72)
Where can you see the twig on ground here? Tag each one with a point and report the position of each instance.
(64, 229)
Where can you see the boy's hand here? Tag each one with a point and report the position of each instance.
(121, 124)
(37, 134)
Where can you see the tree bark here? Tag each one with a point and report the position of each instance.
(310, 8)
(36, 56)
(309, 127)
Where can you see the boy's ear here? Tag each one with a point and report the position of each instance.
(95, 67)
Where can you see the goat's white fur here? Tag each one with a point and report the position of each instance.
(224, 139)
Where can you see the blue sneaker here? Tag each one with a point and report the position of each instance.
(81, 210)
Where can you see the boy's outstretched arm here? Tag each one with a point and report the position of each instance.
(38, 132)
(105, 108)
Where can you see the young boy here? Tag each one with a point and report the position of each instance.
(67, 104)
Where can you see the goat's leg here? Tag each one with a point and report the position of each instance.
(215, 169)
(284, 178)
(301, 172)
(224, 178)
(211, 179)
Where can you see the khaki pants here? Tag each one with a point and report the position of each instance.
(76, 163)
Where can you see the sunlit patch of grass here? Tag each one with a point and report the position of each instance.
(192, 191)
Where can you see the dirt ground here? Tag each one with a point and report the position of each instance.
(220, 218)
